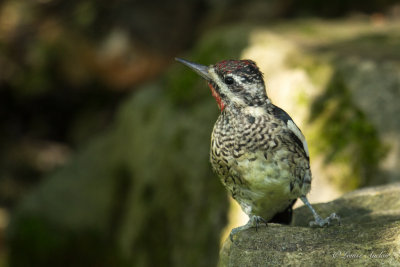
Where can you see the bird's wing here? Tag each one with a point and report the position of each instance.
(296, 133)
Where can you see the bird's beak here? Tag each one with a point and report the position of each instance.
(200, 69)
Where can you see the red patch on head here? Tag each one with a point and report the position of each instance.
(228, 66)
(217, 97)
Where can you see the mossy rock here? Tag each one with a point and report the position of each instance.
(368, 236)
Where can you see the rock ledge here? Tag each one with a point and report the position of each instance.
(369, 235)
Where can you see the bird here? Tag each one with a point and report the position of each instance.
(258, 152)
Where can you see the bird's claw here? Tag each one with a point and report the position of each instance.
(254, 221)
(319, 222)
(238, 229)
(259, 220)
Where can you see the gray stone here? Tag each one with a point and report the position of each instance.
(368, 236)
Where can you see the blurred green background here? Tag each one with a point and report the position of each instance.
(104, 138)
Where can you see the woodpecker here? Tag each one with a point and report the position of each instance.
(258, 152)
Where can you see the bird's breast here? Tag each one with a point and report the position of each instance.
(256, 163)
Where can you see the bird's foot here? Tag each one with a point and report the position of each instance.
(325, 222)
(237, 230)
(259, 220)
(254, 221)
(318, 220)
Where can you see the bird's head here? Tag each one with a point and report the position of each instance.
(234, 83)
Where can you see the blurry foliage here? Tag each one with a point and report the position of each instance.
(336, 8)
(364, 45)
(147, 182)
(40, 101)
(66, 65)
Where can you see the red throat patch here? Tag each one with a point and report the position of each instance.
(217, 97)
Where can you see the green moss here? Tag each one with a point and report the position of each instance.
(340, 131)
(346, 137)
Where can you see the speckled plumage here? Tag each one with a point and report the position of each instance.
(257, 150)
(258, 160)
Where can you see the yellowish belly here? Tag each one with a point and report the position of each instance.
(267, 189)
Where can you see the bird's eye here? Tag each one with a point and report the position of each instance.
(228, 80)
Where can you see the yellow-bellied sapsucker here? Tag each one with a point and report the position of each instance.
(257, 150)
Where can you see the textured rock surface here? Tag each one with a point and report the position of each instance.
(369, 235)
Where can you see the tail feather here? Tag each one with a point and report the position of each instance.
(284, 217)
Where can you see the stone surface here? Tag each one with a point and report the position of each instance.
(369, 235)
